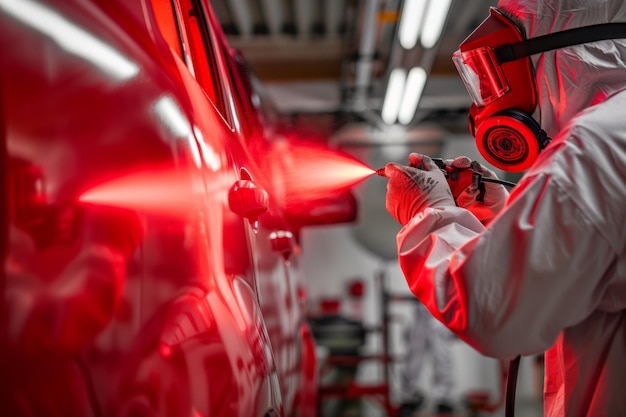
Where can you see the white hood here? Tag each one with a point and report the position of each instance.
(572, 78)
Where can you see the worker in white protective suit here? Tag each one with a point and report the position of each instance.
(427, 339)
(545, 268)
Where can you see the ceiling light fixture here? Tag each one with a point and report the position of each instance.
(412, 93)
(434, 21)
(393, 95)
(411, 22)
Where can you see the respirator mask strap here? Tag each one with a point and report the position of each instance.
(559, 40)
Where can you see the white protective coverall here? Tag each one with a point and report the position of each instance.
(549, 272)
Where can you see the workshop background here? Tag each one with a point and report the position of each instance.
(335, 70)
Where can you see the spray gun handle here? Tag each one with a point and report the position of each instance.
(458, 178)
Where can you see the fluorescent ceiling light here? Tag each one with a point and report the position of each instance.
(433, 23)
(70, 37)
(412, 93)
(411, 22)
(393, 95)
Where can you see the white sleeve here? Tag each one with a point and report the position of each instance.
(508, 289)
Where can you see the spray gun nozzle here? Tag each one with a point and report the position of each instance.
(381, 172)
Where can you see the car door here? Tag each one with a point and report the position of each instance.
(269, 238)
(253, 261)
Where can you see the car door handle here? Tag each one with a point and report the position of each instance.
(282, 242)
(246, 199)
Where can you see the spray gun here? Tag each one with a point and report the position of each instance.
(460, 178)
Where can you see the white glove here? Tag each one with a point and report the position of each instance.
(494, 195)
(411, 189)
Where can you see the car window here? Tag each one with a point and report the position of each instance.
(168, 25)
(214, 40)
(185, 29)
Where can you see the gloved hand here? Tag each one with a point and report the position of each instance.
(495, 195)
(411, 189)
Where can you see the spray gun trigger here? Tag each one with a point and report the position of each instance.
(479, 184)
(440, 163)
(448, 173)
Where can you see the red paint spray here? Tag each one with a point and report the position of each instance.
(306, 172)
(299, 173)
(165, 191)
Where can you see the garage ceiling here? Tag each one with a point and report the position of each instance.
(335, 55)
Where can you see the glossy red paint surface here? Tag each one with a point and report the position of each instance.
(130, 287)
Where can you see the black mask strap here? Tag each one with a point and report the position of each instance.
(576, 36)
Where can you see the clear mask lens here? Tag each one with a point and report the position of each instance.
(481, 74)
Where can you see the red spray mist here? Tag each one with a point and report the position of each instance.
(307, 172)
(300, 173)
(165, 191)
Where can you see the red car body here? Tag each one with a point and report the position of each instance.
(149, 266)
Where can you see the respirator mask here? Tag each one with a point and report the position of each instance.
(494, 64)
